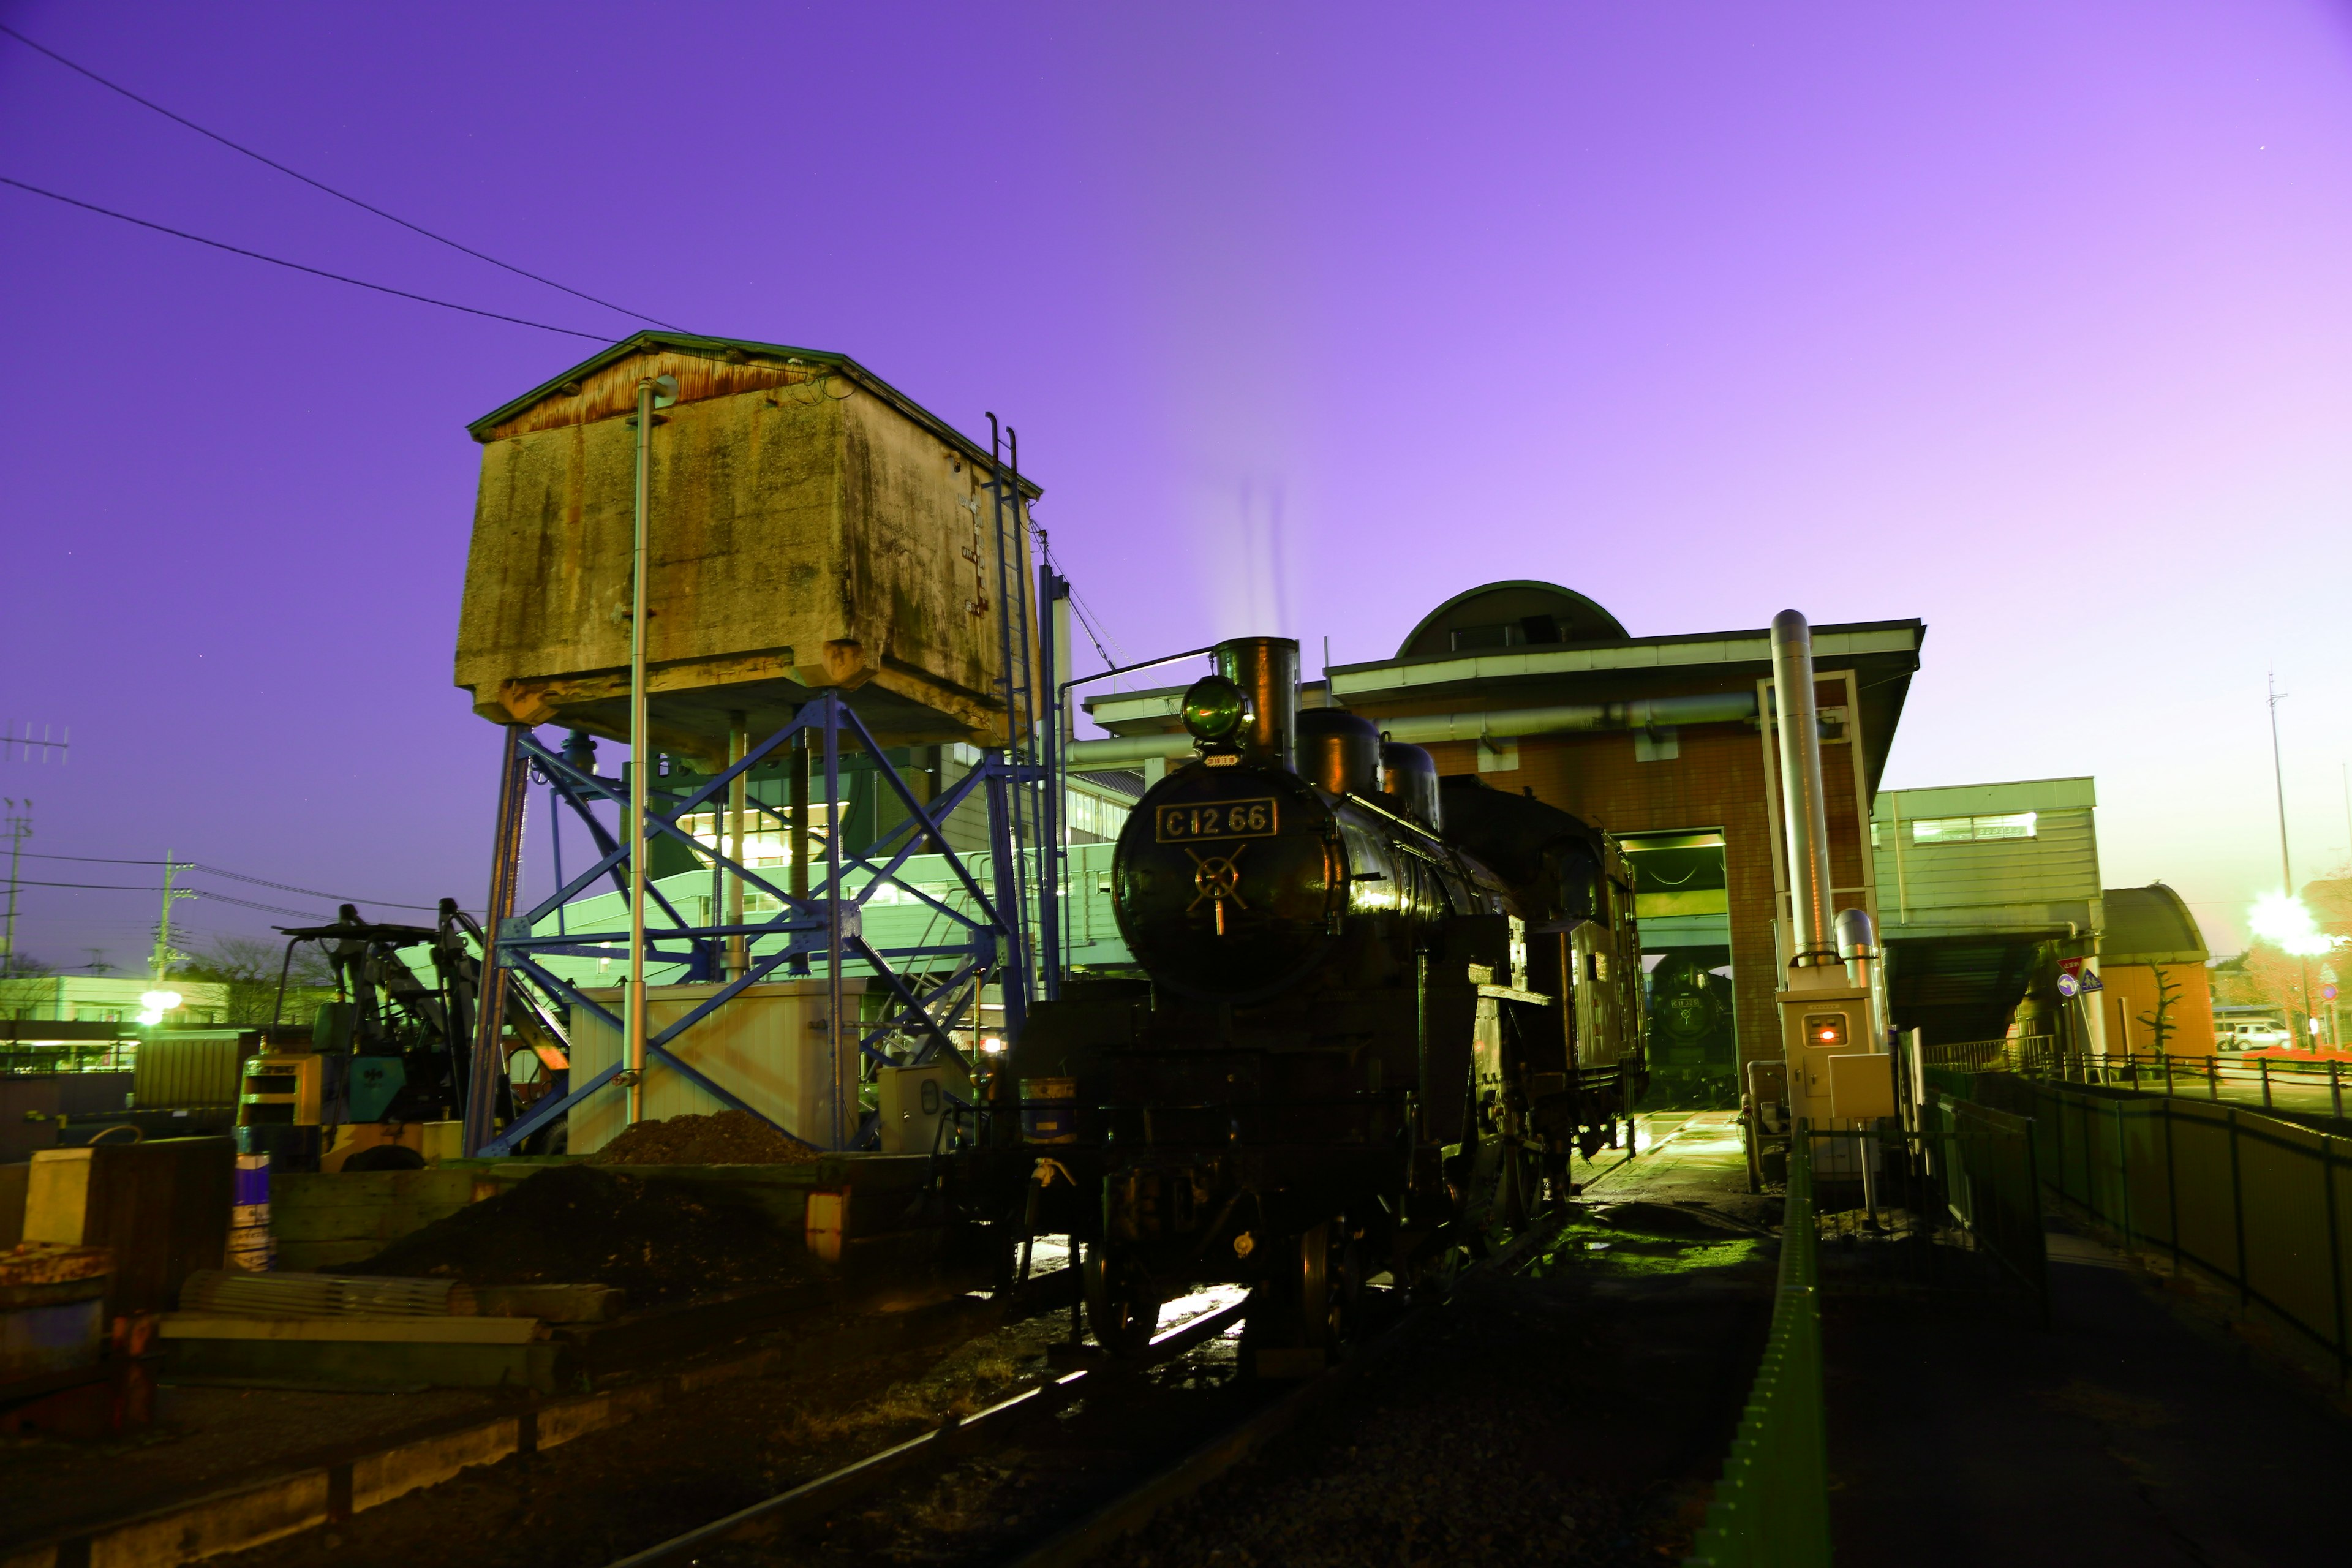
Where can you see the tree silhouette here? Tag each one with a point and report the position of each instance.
(2160, 1025)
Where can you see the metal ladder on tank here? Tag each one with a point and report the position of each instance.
(1024, 826)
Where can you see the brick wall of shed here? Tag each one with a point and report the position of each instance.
(1716, 782)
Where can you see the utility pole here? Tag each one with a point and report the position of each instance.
(163, 955)
(2286, 868)
(20, 827)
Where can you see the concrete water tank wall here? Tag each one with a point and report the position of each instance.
(771, 1046)
(810, 527)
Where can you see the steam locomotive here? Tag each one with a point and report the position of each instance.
(1376, 1014)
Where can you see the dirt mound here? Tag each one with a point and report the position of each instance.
(729, 1138)
(659, 1240)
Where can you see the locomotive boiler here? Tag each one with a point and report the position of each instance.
(1376, 1013)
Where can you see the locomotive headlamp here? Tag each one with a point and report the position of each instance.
(1213, 709)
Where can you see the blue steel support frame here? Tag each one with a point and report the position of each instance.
(827, 924)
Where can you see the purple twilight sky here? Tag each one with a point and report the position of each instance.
(2028, 319)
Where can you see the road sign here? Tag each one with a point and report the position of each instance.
(2069, 986)
(2327, 993)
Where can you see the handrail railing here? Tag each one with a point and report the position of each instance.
(1771, 1507)
(2006, 1054)
(2255, 1078)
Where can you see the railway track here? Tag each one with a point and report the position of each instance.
(1063, 1470)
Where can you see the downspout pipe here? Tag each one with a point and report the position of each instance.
(1803, 805)
(1420, 729)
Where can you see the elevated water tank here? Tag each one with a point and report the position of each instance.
(810, 527)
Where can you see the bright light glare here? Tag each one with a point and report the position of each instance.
(991, 1046)
(159, 1001)
(150, 1016)
(2283, 922)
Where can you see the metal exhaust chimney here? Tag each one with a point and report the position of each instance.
(1802, 806)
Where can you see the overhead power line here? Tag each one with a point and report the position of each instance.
(91, 859)
(216, 871)
(308, 892)
(323, 185)
(314, 271)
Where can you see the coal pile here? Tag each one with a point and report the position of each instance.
(729, 1138)
(659, 1240)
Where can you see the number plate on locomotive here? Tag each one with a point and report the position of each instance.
(1221, 819)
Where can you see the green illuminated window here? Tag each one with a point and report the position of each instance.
(1973, 830)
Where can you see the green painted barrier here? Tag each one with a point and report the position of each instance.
(1772, 1505)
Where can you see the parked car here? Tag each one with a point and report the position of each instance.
(2250, 1036)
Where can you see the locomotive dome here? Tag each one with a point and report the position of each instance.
(1511, 614)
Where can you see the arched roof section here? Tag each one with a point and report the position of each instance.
(1512, 615)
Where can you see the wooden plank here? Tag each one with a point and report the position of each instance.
(354, 1222)
(380, 1478)
(344, 1364)
(324, 1257)
(370, 1189)
(371, 1331)
(249, 1517)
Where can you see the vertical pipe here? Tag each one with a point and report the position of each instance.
(490, 991)
(640, 761)
(798, 881)
(1421, 1051)
(1052, 853)
(833, 825)
(1003, 808)
(739, 737)
(1030, 799)
(1006, 888)
(1802, 802)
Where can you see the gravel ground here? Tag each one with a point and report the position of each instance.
(611, 1493)
(1577, 1413)
(1574, 1414)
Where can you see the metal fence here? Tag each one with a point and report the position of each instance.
(2261, 1203)
(1771, 1507)
(1991, 1183)
(2302, 1084)
(2023, 1055)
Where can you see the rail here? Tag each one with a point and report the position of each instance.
(1771, 1507)
(1120, 1516)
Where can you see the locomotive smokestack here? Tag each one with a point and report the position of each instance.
(1803, 804)
(1266, 670)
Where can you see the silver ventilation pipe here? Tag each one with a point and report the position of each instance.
(1804, 805)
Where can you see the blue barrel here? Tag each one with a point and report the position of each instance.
(1049, 1109)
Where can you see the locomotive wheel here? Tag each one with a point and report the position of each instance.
(1122, 1307)
(1330, 1280)
(1343, 1284)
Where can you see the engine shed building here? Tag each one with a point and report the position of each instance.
(1532, 687)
